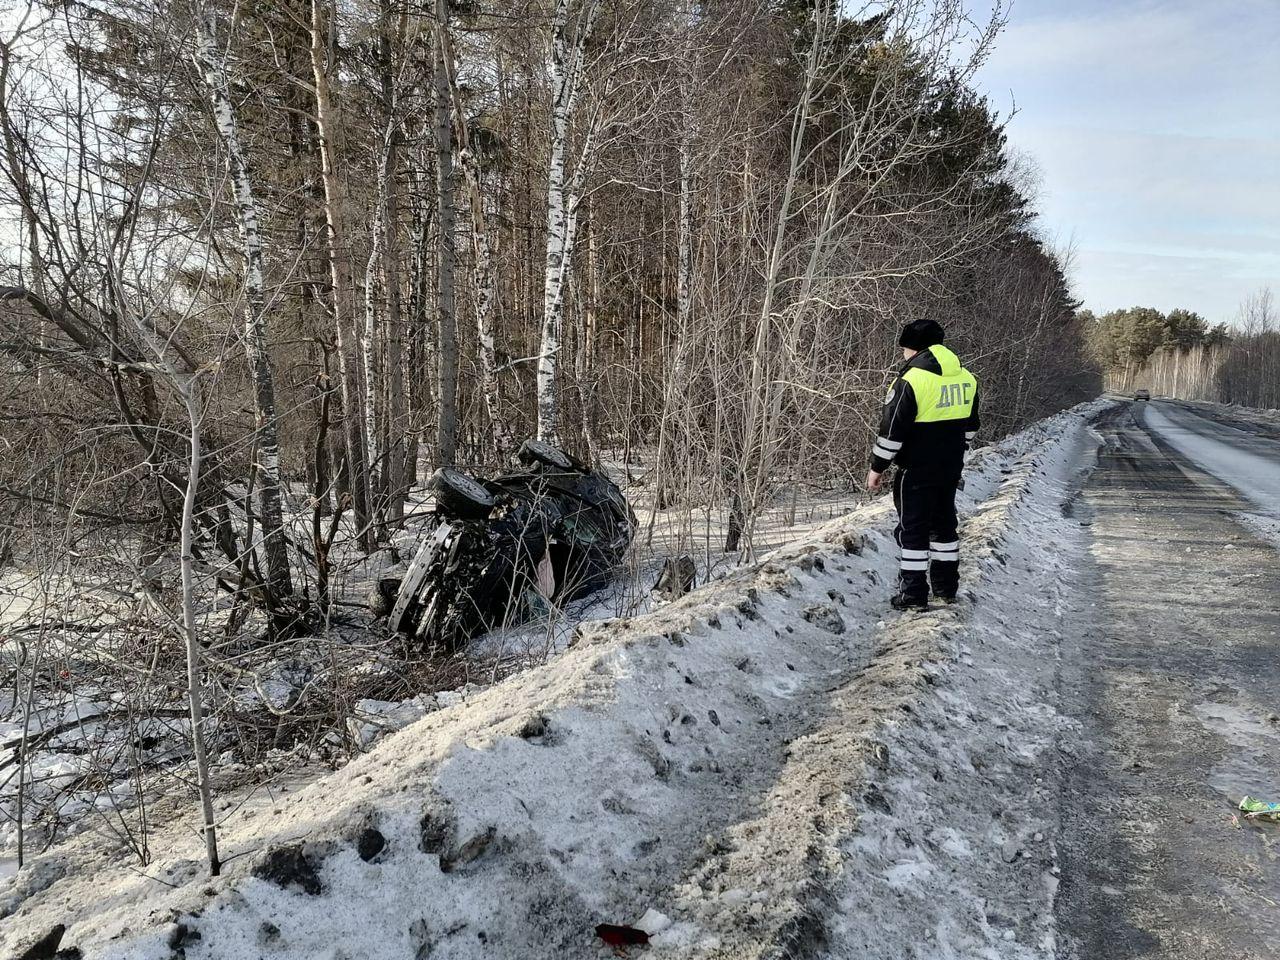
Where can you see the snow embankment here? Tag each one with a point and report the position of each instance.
(772, 765)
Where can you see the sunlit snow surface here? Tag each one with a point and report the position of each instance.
(1245, 460)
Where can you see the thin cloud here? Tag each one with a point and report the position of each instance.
(1155, 130)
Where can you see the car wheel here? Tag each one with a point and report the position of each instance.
(382, 596)
(457, 495)
(536, 451)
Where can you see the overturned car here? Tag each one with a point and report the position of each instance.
(498, 552)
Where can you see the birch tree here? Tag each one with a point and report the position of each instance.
(396, 421)
(570, 31)
(484, 292)
(369, 336)
(275, 540)
(447, 319)
(741, 202)
(854, 154)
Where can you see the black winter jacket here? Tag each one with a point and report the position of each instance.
(936, 447)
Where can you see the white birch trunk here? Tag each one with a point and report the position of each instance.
(369, 336)
(563, 194)
(584, 357)
(486, 297)
(270, 512)
(396, 422)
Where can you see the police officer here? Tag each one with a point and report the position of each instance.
(930, 417)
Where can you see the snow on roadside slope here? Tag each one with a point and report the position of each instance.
(956, 857)
(721, 761)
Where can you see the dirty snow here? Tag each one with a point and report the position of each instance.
(768, 764)
(1248, 767)
(955, 857)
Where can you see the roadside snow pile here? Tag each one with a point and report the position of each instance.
(1266, 526)
(769, 764)
(1248, 416)
(372, 719)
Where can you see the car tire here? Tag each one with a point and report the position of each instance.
(536, 451)
(382, 596)
(458, 495)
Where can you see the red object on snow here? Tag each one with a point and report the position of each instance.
(619, 936)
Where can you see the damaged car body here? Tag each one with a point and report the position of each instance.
(499, 552)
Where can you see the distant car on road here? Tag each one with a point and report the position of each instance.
(1142, 394)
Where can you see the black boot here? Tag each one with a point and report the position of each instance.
(906, 601)
(946, 598)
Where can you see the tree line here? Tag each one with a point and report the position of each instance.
(360, 241)
(1179, 354)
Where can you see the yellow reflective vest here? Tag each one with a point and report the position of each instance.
(930, 415)
(947, 395)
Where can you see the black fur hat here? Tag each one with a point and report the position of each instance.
(919, 334)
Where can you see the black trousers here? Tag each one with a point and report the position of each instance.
(926, 533)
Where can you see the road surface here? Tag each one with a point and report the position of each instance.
(1176, 687)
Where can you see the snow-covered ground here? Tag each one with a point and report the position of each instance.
(768, 764)
(101, 748)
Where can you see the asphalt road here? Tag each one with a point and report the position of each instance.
(1175, 681)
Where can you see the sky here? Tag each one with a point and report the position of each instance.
(1155, 125)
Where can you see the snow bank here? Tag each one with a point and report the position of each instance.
(954, 855)
(768, 763)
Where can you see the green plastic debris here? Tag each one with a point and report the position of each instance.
(1260, 809)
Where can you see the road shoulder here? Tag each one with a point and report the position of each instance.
(1171, 680)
